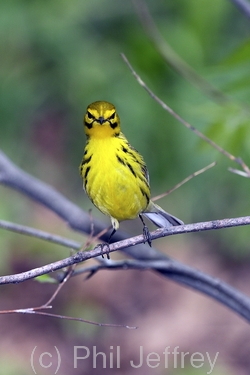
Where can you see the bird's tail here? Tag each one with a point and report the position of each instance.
(160, 217)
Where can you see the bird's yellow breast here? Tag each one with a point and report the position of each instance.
(114, 177)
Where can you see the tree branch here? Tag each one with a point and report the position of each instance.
(14, 177)
(32, 232)
(188, 276)
(99, 250)
(237, 160)
(243, 5)
(172, 58)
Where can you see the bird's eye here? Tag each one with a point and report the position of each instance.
(91, 117)
(112, 117)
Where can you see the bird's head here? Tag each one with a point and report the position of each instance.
(101, 120)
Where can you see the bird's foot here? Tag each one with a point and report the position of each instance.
(102, 246)
(147, 235)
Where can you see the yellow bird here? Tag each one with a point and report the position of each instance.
(114, 174)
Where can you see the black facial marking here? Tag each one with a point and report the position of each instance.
(89, 126)
(112, 117)
(91, 117)
(114, 125)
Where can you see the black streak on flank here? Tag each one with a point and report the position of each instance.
(145, 194)
(86, 173)
(86, 161)
(120, 160)
(145, 172)
(130, 167)
(124, 149)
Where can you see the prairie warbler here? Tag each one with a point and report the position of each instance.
(114, 174)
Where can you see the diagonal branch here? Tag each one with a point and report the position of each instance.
(184, 122)
(172, 58)
(38, 310)
(243, 5)
(188, 276)
(32, 232)
(14, 177)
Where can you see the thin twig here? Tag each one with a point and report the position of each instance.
(243, 5)
(66, 277)
(185, 123)
(47, 305)
(27, 311)
(177, 186)
(172, 58)
(240, 173)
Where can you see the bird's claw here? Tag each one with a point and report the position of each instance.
(147, 235)
(102, 245)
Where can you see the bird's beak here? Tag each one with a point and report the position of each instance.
(101, 120)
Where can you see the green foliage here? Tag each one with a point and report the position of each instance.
(45, 279)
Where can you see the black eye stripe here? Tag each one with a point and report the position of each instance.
(90, 116)
(112, 117)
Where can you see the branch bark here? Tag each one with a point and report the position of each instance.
(145, 257)
(243, 5)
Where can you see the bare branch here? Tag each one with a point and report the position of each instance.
(243, 5)
(38, 309)
(172, 58)
(14, 177)
(32, 232)
(177, 186)
(82, 256)
(188, 276)
(240, 173)
(27, 311)
(174, 270)
(184, 122)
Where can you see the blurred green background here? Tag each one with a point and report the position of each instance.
(56, 58)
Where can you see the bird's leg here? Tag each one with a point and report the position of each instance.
(102, 245)
(146, 233)
(111, 235)
(107, 244)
